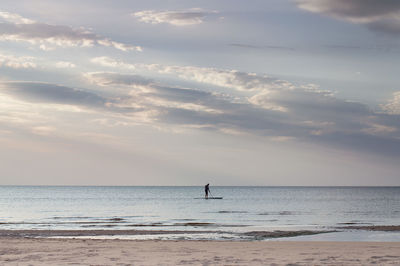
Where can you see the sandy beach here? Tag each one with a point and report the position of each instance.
(44, 251)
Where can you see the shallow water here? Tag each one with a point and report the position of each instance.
(242, 209)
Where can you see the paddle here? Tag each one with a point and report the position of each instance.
(212, 196)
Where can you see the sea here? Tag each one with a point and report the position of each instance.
(171, 213)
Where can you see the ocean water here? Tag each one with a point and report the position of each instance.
(242, 210)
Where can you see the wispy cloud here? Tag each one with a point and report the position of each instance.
(177, 18)
(47, 36)
(242, 81)
(17, 62)
(382, 16)
(261, 47)
(15, 18)
(110, 62)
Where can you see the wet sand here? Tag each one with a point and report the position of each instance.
(253, 235)
(384, 228)
(45, 251)
(91, 233)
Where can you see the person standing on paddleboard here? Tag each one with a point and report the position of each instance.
(207, 190)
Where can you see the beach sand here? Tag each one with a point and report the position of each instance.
(45, 251)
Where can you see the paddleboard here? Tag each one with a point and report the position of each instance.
(211, 198)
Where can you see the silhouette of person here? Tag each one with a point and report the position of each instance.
(207, 190)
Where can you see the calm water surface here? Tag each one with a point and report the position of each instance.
(176, 208)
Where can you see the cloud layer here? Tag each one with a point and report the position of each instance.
(383, 15)
(269, 107)
(239, 103)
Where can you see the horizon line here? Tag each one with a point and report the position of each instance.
(320, 186)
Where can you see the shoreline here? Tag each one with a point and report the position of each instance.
(178, 234)
(46, 251)
(202, 234)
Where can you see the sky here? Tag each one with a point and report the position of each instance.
(188, 92)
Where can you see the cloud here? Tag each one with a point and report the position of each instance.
(377, 129)
(382, 15)
(110, 62)
(15, 18)
(177, 18)
(50, 36)
(50, 93)
(17, 62)
(360, 11)
(148, 94)
(112, 79)
(238, 80)
(391, 26)
(65, 64)
(306, 101)
(241, 81)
